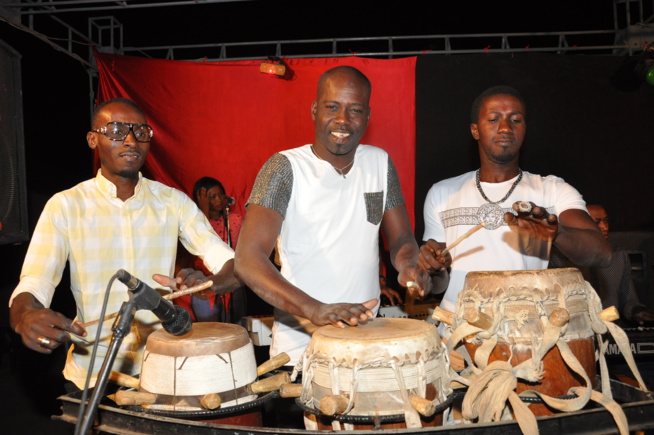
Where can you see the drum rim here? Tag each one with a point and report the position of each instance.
(371, 419)
(205, 413)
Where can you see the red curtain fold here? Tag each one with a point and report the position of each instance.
(225, 119)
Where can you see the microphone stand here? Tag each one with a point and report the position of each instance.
(121, 328)
(229, 232)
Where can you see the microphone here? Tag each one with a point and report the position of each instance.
(229, 200)
(175, 319)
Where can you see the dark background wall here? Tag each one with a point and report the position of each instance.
(580, 126)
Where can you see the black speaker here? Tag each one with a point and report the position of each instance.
(640, 247)
(13, 192)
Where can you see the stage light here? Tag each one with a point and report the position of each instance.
(635, 70)
(272, 68)
(645, 67)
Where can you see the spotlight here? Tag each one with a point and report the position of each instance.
(272, 68)
(276, 66)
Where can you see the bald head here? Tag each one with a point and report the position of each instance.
(354, 75)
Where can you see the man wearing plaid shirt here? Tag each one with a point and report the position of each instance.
(118, 220)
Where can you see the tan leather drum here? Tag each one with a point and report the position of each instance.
(212, 358)
(518, 313)
(375, 369)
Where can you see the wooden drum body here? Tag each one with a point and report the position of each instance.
(211, 358)
(513, 307)
(375, 369)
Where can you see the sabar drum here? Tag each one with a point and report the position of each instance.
(212, 358)
(540, 321)
(375, 375)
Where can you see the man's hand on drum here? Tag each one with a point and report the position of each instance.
(431, 258)
(42, 329)
(186, 278)
(342, 314)
(534, 220)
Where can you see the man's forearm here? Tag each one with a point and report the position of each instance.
(584, 247)
(226, 281)
(405, 253)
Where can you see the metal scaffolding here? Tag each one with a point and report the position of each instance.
(633, 28)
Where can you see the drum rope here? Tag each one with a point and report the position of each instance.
(491, 385)
(487, 396)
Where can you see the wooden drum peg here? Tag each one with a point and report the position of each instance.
(272, 383)
(559, 317)
(609, 314)
(124, 380)
(424, 406)
(290, 390)
(443, 316)
(211, 401)
(478, 318)
(273, 363)
(130, 397)
(333, 404)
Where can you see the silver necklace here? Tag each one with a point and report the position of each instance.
(340, 171)
(515, 183)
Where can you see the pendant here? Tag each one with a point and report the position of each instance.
(492, 215)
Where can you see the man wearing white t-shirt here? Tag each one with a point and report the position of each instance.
(510, 240)
(322, 205)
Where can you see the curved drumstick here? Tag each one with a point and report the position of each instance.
(196, 288)
(469, 233)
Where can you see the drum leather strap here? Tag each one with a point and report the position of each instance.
(622, 340)
(487, 395)
(492, 385)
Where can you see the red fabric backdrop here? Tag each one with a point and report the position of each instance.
(225, 119)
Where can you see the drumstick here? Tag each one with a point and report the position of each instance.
(470, 232)
(196, 288)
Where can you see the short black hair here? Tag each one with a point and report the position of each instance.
(207, 183)
(102, 105)
(491, 92)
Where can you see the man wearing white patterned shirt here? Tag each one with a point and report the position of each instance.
(118, 220)
(511, 239)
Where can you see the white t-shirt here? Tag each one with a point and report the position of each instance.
(453, 206)
(329, 241)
